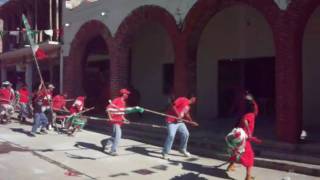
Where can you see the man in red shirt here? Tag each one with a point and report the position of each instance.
(25, 109)
(116, 112)
(180, 109)
(59, 102)
(6, 96)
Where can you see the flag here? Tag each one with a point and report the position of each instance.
(37, 52)
(40, 53)
(3, 33)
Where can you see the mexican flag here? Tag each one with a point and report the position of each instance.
(36, 50)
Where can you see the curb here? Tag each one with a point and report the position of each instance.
(217, 151)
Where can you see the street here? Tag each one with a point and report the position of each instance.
(58, 156)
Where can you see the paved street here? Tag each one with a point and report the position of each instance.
(57, 156)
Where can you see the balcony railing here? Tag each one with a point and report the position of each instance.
(12, 43)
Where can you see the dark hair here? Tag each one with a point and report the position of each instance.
(249, 107)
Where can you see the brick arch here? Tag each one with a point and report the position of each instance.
(301, 12)
(142, 15)
(197, 19)
(125, 34)
(202, 11)
(73, 63)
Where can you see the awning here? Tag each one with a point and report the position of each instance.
(25, 54)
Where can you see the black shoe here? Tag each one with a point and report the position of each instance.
(42, 131)
(103, 145)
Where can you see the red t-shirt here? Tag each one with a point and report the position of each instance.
(24, 95)
(58, 102)
(5, 96)
(78, 105)
(182, 106)
(117, 105)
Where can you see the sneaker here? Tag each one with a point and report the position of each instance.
(164, 155)
(185, 153)
(50, 127)
(42, 131)
(32, 134)
(113, 153)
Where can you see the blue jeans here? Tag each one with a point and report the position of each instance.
(40, 120)
(116, 136)
(172, 130)
(24, 110)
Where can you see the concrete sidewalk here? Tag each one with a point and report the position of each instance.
(57, 156)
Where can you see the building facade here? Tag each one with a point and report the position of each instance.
(214, 49)
(16, 59)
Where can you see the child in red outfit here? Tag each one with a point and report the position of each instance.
(247, 123)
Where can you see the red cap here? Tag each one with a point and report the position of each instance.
(124, 91)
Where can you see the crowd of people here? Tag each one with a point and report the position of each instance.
(46, 110)
(50, 112)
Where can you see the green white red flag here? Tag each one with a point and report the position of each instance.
(36, 50)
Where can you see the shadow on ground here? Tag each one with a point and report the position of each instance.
(188, 165)
(21, 130)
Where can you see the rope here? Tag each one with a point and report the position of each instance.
(167, 115)
(125, 122)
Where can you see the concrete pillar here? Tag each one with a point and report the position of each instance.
(28, 76)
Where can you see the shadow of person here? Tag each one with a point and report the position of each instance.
(143, 151)
(207, 170)
(189, 176)
(20, 130)
(88, 146)
(73, 156)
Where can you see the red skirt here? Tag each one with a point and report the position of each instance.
(247, 158)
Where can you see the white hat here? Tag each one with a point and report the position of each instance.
(6, 83)
(51, 86)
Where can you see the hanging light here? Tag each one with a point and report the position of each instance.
(103, 13)
(67, 24)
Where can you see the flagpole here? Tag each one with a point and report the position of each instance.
(27, 26)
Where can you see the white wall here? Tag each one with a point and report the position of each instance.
(236, 32)
(151, 49)
(117, 11)
(311, 73)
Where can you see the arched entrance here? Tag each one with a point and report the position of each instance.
(229, 44)
(147, 56)
(311, 65)
(235, 55)
(96, 70)
(87, 68)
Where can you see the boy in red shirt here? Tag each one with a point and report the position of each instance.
(116, 112)
(181, 109)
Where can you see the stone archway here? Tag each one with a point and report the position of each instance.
(288, 105)
(124, 39)
(73, 78)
